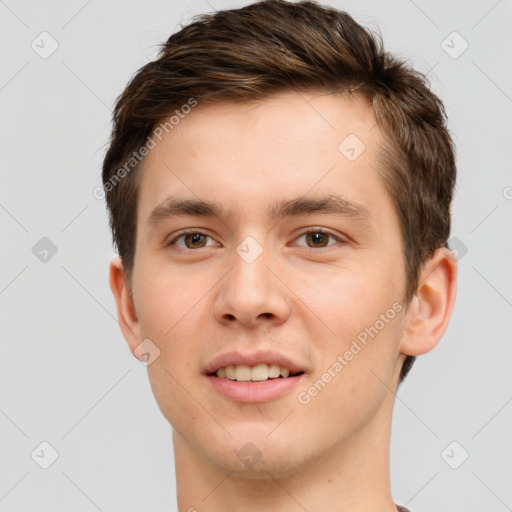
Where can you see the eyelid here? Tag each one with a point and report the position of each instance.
(187, 231)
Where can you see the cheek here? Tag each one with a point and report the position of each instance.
(348, 297)
(357, 313)
(165, 300)
(174, 310)
(357, 364)
(167, 317)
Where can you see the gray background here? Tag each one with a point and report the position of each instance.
(67, 376)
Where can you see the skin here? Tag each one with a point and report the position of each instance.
(331, 454)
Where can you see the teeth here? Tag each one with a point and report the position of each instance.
(285, 372)
(242, 373)
(260, 372)
(274, 371)
(230, 372)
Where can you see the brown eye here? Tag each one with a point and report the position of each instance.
(317, 238)
(192, 240)
(195, 240)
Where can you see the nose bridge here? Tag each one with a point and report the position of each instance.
(251, 293)
(250, 262)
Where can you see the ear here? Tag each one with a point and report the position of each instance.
(126, 313)
(430, 310)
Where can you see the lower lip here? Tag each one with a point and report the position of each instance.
(254, 392)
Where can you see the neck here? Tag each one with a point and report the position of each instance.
(352, 476)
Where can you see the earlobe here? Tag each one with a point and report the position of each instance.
(126, 313)
(431, 308)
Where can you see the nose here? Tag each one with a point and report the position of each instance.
(252, 294)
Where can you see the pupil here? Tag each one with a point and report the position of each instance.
(318, 238)
(195, 238)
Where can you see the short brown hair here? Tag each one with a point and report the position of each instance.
(275, 46)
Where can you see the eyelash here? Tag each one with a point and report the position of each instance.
(311, 230)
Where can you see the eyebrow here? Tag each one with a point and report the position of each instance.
(330, 204)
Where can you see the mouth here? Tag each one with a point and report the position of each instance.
(257, 377)
(257, 384)
(259, 373)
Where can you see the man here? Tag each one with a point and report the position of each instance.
(279, 192)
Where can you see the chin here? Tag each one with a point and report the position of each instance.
(259, 457)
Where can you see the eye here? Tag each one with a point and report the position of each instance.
(191, 240)
(319, 238)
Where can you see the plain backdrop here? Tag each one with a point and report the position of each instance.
(67, 377)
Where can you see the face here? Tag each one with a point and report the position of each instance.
(276, 270)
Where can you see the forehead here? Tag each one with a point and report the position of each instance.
(248, 155)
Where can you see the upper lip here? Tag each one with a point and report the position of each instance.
(252, 359)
